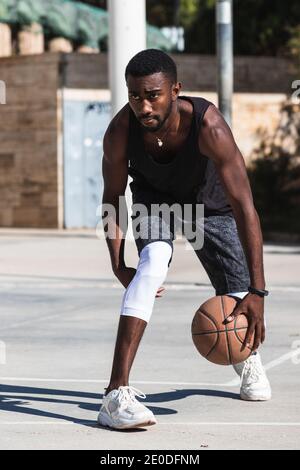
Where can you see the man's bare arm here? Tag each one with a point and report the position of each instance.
(217, 142)
(115, 176)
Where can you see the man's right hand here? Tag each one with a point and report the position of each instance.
(125, 276)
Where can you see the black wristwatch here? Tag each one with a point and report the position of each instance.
(260, 292)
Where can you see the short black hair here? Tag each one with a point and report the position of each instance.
(151, 61)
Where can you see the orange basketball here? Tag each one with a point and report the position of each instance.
(215, 341)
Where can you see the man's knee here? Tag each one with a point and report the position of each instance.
(140, 295)
(154, 259)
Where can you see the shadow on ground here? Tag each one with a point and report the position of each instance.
(9, 402)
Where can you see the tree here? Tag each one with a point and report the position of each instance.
(261, 27)
(95, 3)
(164, 12)
(274, 173)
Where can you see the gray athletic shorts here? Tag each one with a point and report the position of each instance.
(221, 254)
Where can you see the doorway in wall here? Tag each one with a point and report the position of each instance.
(86, 116)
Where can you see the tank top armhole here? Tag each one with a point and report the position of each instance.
(201, 107)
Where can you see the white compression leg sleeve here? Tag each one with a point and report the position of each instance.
(152, 269)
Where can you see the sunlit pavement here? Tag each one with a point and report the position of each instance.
(59, 314)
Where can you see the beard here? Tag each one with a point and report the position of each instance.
(160, 121)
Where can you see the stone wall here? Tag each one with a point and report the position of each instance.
(261, 85)
(31, 159)
(251, 112)
(28, 135)
(251, 74)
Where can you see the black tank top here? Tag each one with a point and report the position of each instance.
(190, 177)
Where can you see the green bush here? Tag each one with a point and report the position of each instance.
(274, 174)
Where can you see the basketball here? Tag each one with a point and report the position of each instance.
(217, 342)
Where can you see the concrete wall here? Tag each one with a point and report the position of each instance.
(252, 112)
(28, 135)
(251, 74)
(31, 159)
(261, 85)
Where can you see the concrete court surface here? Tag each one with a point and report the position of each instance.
(59, 313)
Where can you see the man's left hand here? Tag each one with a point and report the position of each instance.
(253, 307)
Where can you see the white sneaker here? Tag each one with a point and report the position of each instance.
(121, 410)
(255, 385)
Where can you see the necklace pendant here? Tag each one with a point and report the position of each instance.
(160, 142)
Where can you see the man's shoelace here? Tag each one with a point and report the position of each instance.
(128, 395)
(252, 370)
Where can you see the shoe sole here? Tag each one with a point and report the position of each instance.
(258, 398)
(106, 422)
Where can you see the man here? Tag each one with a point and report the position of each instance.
(178, 150)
